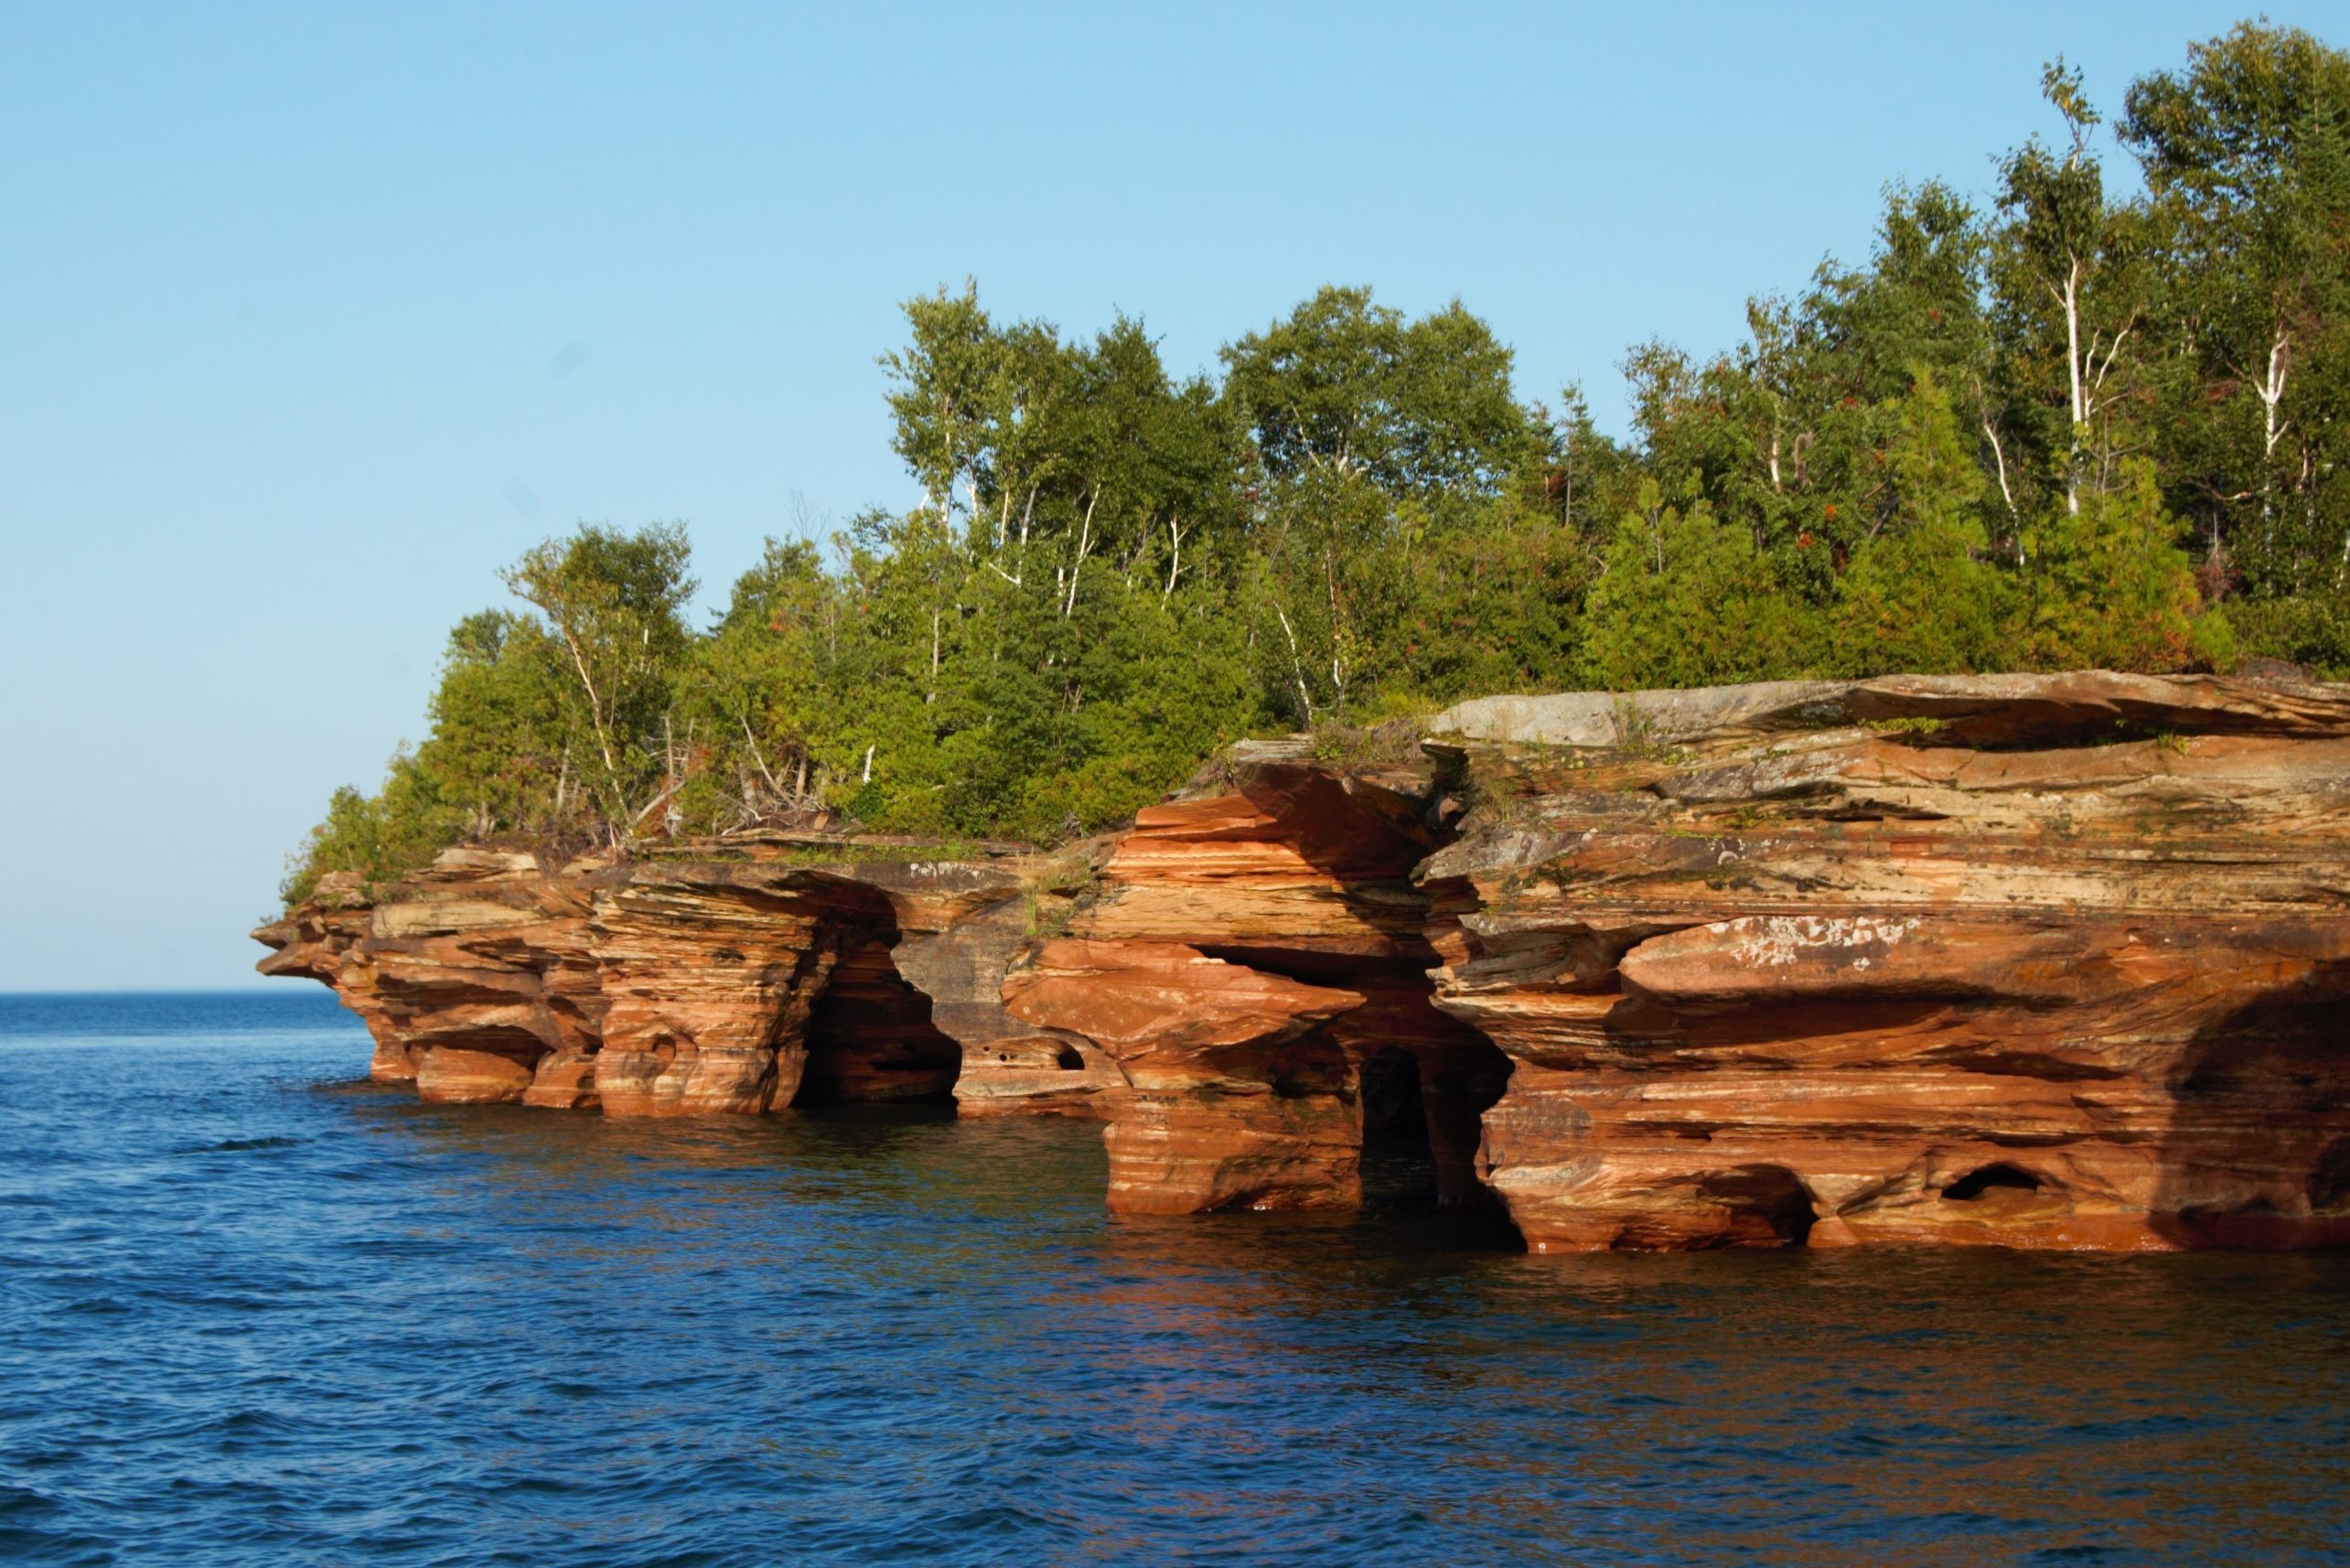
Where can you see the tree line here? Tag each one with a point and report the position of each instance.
(2082, 422)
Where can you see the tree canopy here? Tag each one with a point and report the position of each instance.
(2069, 423)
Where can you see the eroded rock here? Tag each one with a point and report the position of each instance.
(1256, 963)
(730, 981)
(2033, 960)
(2040, 961)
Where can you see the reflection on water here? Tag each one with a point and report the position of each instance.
(257, 1314)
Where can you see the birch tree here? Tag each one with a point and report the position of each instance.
(2071, 282)
(616, 603)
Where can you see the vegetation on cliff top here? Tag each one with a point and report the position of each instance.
(2060, 428)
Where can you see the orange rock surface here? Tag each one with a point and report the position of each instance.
(2033, 960)
(477, 975)
(963, 925)
(2036, 961)
(726, 983)
(1257, 965)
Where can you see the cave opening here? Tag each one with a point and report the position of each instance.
(2329, 1179)
(1770, 1205)
(1425, 1077)
(1068, 1059)
(2276, 1062)
(1996, 1176)
(870, 1039)
(1398, 1166)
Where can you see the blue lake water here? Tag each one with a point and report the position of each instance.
(255, 1310)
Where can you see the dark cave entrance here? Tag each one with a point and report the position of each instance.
(1770, 1205)
(1425, 1078)
(1998, 1177)
(1398, 1166)
(870, 1039)
(2329, 1179)
(2276, 1063)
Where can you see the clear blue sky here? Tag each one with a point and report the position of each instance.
(311, 316)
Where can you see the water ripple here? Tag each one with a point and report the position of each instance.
(258, 1312)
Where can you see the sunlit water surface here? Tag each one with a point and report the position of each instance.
(256, 1312)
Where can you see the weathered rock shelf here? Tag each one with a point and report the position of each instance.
(2030, 960)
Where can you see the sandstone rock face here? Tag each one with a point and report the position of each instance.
(1234, 1097)
(2028, 960)
(316, 942)
(1256, 963)
(710, 973)
(2033, 960)
(480, 973)
(723, 982)
(964, 924)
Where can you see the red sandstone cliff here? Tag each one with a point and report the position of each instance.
(2039, 961)
(2035, 960)
(718, 978)
(1257, 962)
(477, 975)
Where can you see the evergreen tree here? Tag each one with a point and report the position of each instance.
(1920, 596)
(1684, 598)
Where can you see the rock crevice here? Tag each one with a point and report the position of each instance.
(1253, 957)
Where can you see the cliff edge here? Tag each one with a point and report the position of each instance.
(2041, 960)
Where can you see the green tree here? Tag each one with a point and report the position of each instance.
(2071, 288)
(1989, 445)
(1684, 598)
(2109, 586)
(2246, 153)
(616, 603)
(1350, 386)
(499, 753)
(380, 837)
(1920, 595)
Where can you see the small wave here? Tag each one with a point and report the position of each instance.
(434, 1338)
(22, 1503)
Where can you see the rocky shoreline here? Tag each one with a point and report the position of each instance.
(2036, 961)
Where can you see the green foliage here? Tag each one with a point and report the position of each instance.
(1345, 384)
(1919, 595)
(1684, 598)
(2109, 588)
(2308, 629)
(615, 602)
(380, 837)
(2246, 153)
(2064, 426)
(499, 746)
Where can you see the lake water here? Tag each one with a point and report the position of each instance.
(254, 1310)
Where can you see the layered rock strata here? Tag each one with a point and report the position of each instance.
(2026, 961)
(711, 979)
(1256, 962)
(474, 981)
(962, 926)
(2035, 960)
